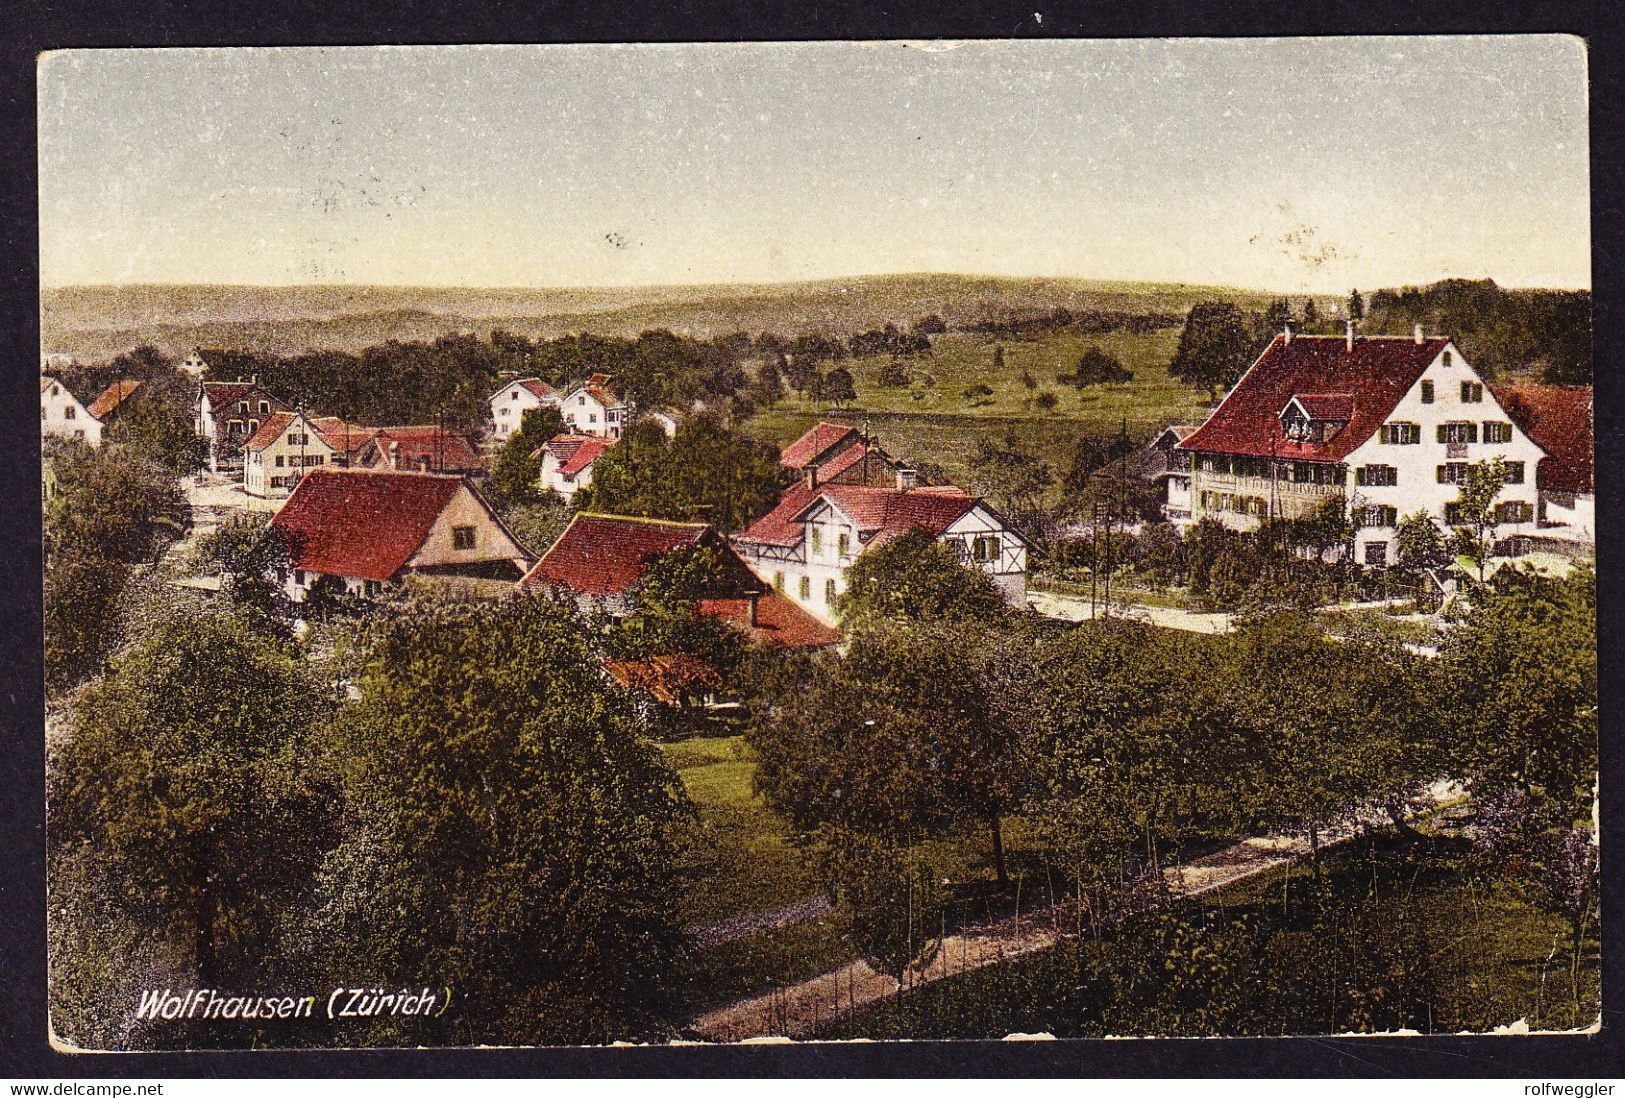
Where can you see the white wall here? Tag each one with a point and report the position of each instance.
(584, 414)
(508, 407)
(62, 414)
(550, 477)
(261, 469)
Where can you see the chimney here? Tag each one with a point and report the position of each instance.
(1349, 341)
(812, 476)
(907, 478)
(394, 454)
(1419, 338)
(1286, 333)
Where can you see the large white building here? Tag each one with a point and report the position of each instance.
(1389, 423)
(806, 544)
(510, 403)
(593, 408)
(284, 448)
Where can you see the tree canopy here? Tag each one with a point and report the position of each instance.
(915, 577)
(1214, 347)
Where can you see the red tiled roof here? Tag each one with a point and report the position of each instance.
(1374, 376)
(871, 508)
(1332, 407)
(347, 438)
(778, 620)
(222, 393)
(575, 452)
(269, 431)
(444, 450)
(665, 678)
(364, 523)
(604, 555)
(111, 397)
(814, 444)
(537, 387)
(1560, 419)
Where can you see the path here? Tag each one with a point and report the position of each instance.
(803, 1009)
(1077, 608)
(728, 930)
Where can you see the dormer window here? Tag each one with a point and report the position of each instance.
(1316, 417)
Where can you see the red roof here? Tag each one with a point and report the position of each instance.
(430, 448)
(347, 438)
(604, 555)
(778, 620)
(222, 393)
(665, 678)
(575, 452)
(536, 387)
(1331, 407)
(813, 445)
(1559, 418)
(364, 523)
(269, 431)
(112, 396)
(1373, 377)
(873, 509)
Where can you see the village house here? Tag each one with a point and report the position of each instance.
(839, 453)
(567, 461)
(1560, 420)
(426, 449)
(229, 413)
(593, 408)
(666, 421)
(806, 544)
(198, 362)
(1173, 469)
(1391, 424)
(61, 413)
(284, 448)
(599, 560)
(369, 528)
(510, 403)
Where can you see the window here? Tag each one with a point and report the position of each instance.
(299, 577)
(279, 460)
(502, 412)
(242, 406)
(1449, 359)
(829, 592)
(370, 588)
(778, 582)
(805, 588)
(512, 396)
(1458, 432)
(462, 537)
(1515, 510)
(1376, 554)
(1454, 472)
(1472, 392)
(70, 412)
(843, 543)
(1400, 434)
(1497, 431)
(55, 391)
(1427, 392)
(817, 539)
(581, 400)
(80, 433)
(985, 548)
(253, 425)
(1376, 476)
(592, 417)
(1379, 516)
(265, 407)
(1514, 472)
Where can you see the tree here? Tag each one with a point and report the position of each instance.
(769, 387)
(1311, 313)
(893, 375)
(1214, 347)
(915, 577)
(1356, 306)
(515, 836)
(1046, 400)
(186, 760)
(837, 387)
(1020, 483)
(1096, 367)
(998, 358)
(931, 325)
(1475, 514)
(252, 558)
(517, 473)
(978, 394)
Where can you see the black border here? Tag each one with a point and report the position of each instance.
(31, 26)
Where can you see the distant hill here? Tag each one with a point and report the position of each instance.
(94, 322)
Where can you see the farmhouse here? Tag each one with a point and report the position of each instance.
(60, 413)
(1560, 419)
(599, 560)
(567, 461)
(1173, 469)
(229, 413)
(593, 408)
(426, 449)
(808, 541)
(283, 449)
(510, 403)
(367, 528)
(1390, 423)
(838, 453)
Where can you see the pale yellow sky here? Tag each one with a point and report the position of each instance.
(1297, 165)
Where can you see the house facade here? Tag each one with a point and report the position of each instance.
(567, 462)
(284, 448)
(1390, 424)
(228, 414)
(805, 546)
(425, 449)
(593, 408)
(370, 528)
(1172, 468)
(510, 403)
(61, 413)
(1561, 420)
(839, 453)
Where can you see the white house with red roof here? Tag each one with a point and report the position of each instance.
(1561, 420)
(839, 453)
(806, 544)
(230, 412)
(1390, 423)
(567, 461)
(283, 449)
(599, 560)
(593, 408)
(510, 403)
(368, 528)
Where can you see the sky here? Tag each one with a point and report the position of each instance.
(1286, 164)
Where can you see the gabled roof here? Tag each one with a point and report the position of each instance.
(576, 452)
(872, 509)
(604, 555)
(778, 621)
(597, 387)
(1374, 377)
(347, 438)
(222, 393)
(1560, 420)
(1326, 407)
(538, 388)
(113, 396)
(813, 445)
(1173, 434)
(366, 523)
(269, 431)
(445, 450)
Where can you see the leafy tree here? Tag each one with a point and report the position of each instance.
(893, 375)
(1356, 306)
(538, 525)
(667, 619)
(156, 422)
(769, 387)
(1096, 367)
(516, 475)
(931, 325)
(837, 387)
(1311, 313)
(523, 824)
(1046, 400)
(1277, 316)
(1020, 483)
(998, 359)
(1214, 347)
(916, 578)
(980, 393)
(1475, 517)
(184, 760)
(252, 557)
